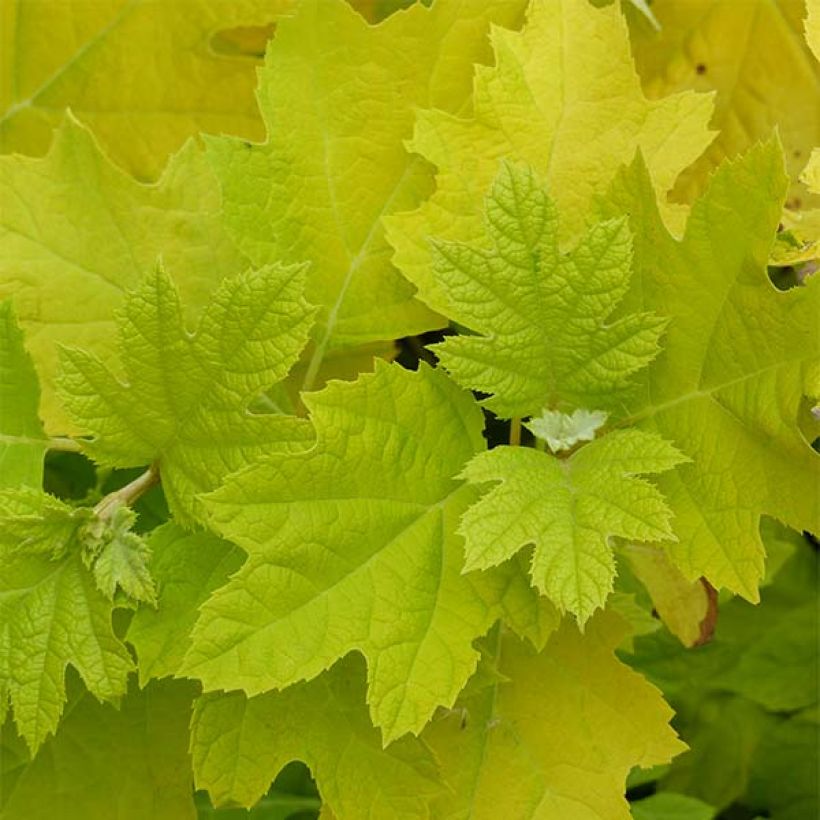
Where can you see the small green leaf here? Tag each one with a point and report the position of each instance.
(547, 337)
(182, 400)
(569, 509)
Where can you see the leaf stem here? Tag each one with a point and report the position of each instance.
(64, 444)
(129, 494)
(515, 431)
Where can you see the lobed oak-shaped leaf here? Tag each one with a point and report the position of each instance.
(183, 398)
(562, 96)
(22, 442)
(556, 733)
(338, 97)
(352, 547)
(729, 48)
(569, 509)
(130, 762)
(188, 567)
(737, 359)
(145, 75)
(76, 233)
(52, 614)
(546, 338)
(240, 744)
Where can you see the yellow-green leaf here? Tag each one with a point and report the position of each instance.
(144, 74)
(338, 97)
(753, 54)
(563, 97)
(76, 233)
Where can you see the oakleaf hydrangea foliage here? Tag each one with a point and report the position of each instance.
(390, 448)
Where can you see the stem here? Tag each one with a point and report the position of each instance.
(515, 431)
(64, 444)
(129, 494)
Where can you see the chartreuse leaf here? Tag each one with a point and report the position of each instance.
(338, 97)
(681, 604)
(737, 357)
(344, 536)
(555, 735)
(130, 762)
(569, 509)
(76, 233)
(563, 96)
(812, 25)
(52, 614)
(188, 567)
(728, 47)
(86, 55)
(547, 338)
(119, 557)
(22, 442)
(182, 399)
(671, 806)
(239, 744)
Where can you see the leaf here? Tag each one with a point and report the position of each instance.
(188, 567)
(562, 97)
(71, 247)
(736, 360)
(120, 558)
(569, 509)
(762, 657)
(344, 536)
(563, 432)
(783, 776)
(754, 57)
(51, 615)
(671, 806)
(558, 736)
(182, 399)
(546, 338)
(239, 744)
(87, 54)
(22, 443)
(681, 604)
(130, 763)
(338, 97)
(812, 27)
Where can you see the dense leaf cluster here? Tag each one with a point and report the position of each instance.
(442, 452)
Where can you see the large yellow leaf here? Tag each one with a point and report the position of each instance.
(754, 55)
(339, 97)
(564, 97)
(76, 232)
(142, 73)
(555, 734)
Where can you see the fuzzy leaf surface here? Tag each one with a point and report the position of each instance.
(338, 98)
(182, 399)
(562, 96)
(344, 536)
(22, 443)
(737, 358)
(239, 745)
(555, 735)
(76, 233)
(569, 509)
(52, 614)
(546, 336)
(90, 55)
